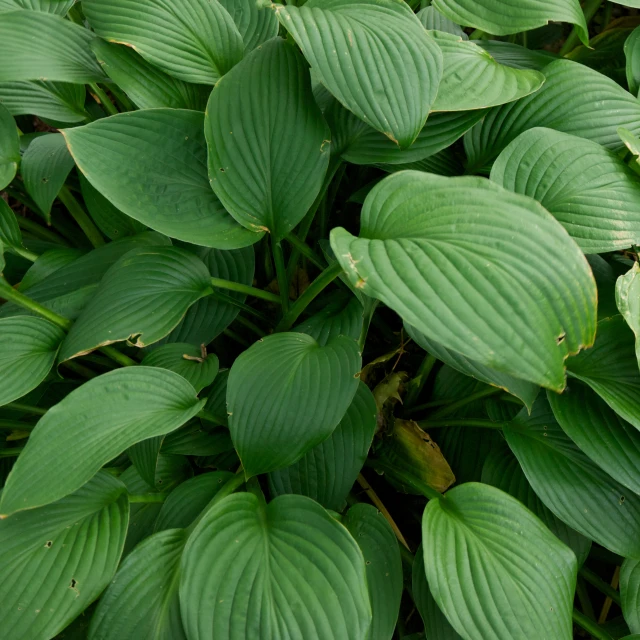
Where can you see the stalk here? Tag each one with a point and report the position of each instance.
(79, 215)
(281, 274)
(589, 10)
(246, 289)
(103, 99)
(589, 626)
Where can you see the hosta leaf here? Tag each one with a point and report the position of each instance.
(140, 299)
(574, 99)
(611, 442)
(472, 79)
(571, 485)
(59, 101)
(632, 53)
(327, 472)
(9, 146)
(187, 360)
(146, 85)
(414, 253)
(443, 163)
(142, 601)
(504, 17)
(45, 167)
(152, 165)
(60, 7)
(46, 264)
(268, 143)
(123, 407)
(256, 23)
(54, 561)
(374, 56)
(513, 55)
(10, 234)
(628, 301)
(295, 572)
(495, 569)
(379, 547)
(30, 49)
(610, 368)
(196, 41)
(502, 470)
(193, 440)
(589, 190)
(433, 20)
(145, 456)
(630, 593)
(526, 391)
(28, 349)
(286, 394)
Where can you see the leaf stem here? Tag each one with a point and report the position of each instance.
(251, 326)
(306, 251)
(12, 295)
(14, 425)
(437, 424)
(246, 289)
(310, 293)
(121, 98)
(281, 274)
(40, 232)
(454, 406)
(589, 626)
(11, 453)
(103, 99)
(24, 253)
(26, 408)
(122, 359)
(79, 215)
(227, 299)
(604, 587)
(417, 383)
(589, 10)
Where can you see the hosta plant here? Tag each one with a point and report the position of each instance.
(319, 320)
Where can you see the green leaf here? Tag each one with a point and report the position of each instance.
(30, 49)
(141, 299)
(574, 99)
(502, 470)
(60, 7)
(513, 55)
(628, 301)
(142, 601)
(445, 253)
(611, 442)
(433, 20)
(327, 472)
(472, 79)
(504, 17)
(268, 144)
(630, 593)
(145, 456)
(379, 547)
(526, 391)
(10, 233)
(56, 560)
(123, 407)
(193, 440)
(28, 349)
(286, 394)
(58, 101)
(256, 23)
(295, 572)
(589, 190)
(146, 85)
(374, 56)
(571, 485)
(9, 146)
(495, 569)
(196, 41)
(152, 165)
(632, 53)
(610, 368)
(46, 264)
(189, 361)
(45, 167)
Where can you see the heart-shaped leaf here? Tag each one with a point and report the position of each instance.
(445, 253)
(9, 147)
(189, 361)
(123, 407)
(286, 394)
(294, 572)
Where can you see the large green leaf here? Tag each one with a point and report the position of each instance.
(516, 56)
(9, 147)
(374, 56)
(268, 144)
(611, 442)
(379, 546)
(28, 349)
(30, 49)
(286, 394)
(327, 472)
(122, 407)
(54, 561)
(186, 359)
(140, 299)
(152, 165)
(589, 189)
(433, 20)
(58, 101)
(632, 53)
(446, 254)
(294, 572)
(142, 601)
(10, 234)
(195, 40)
(630, 593)
(571, 485)
(574, 99)
(46, 264)
(146, 85)
(255, 21)
(45, 167)
(504, 17)
(628, 301)
(472, 79)
(495, 569)
(526, 391)
(60, 7)
(610, 368)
